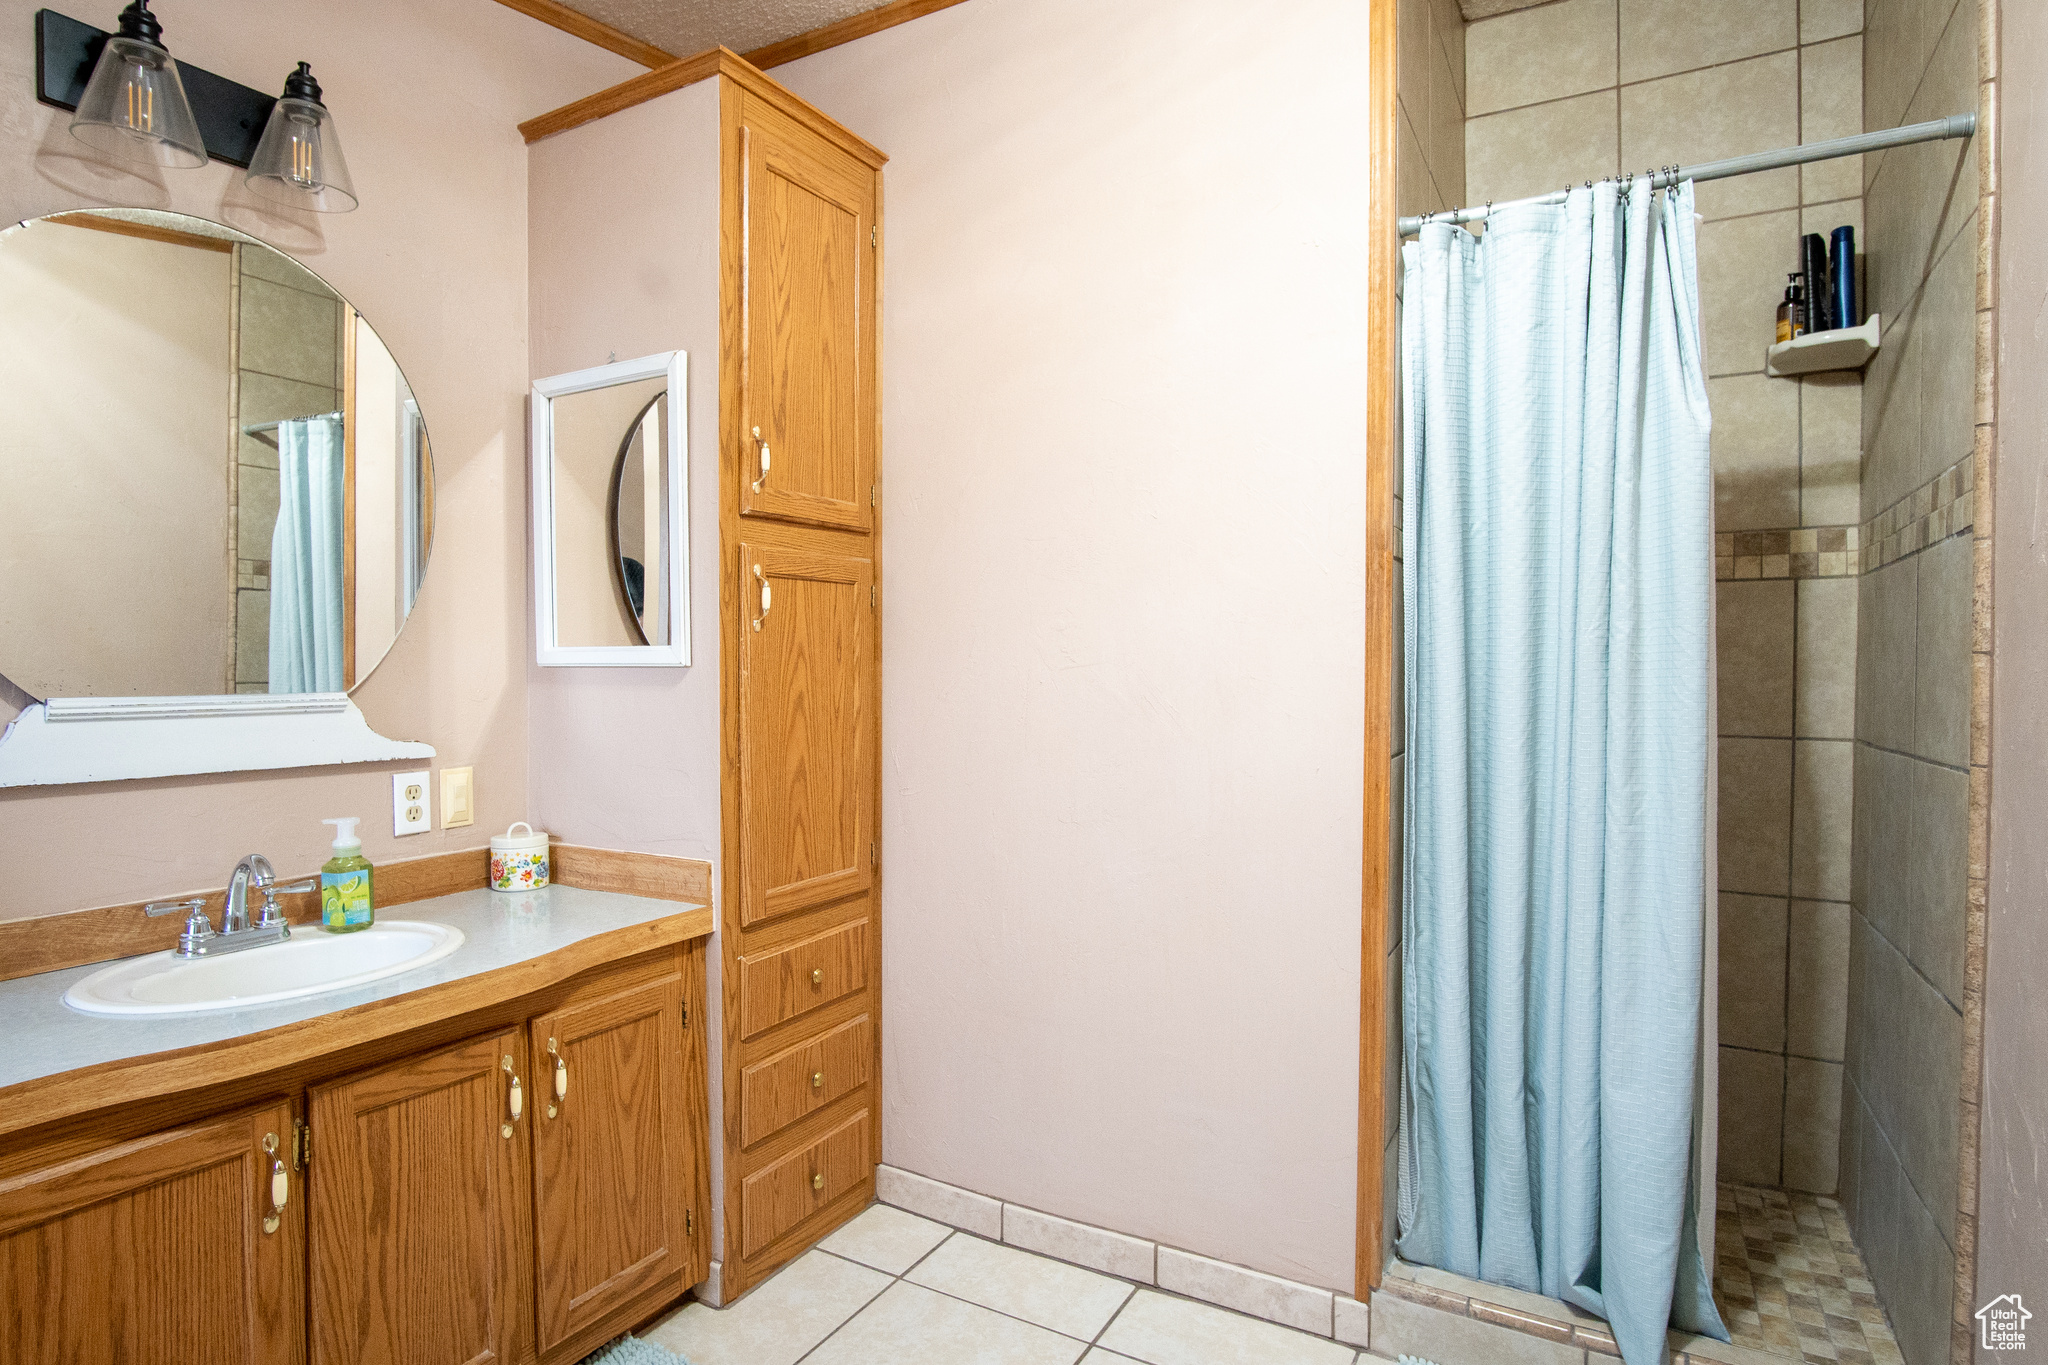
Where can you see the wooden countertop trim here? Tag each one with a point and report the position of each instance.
(51, 943)
(48, 1099)
(845, 31)
(718, 61)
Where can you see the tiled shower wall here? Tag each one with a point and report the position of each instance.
(1429, 175)
(288, 364)
(1911, 877)
(1580, 89)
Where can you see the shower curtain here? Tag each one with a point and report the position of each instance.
(1557, 543)
(306, 558)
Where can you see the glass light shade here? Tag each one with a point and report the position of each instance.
(299, 161)
(135, 107)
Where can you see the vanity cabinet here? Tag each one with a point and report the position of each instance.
(164, 1249)
(614, 1142)
(517, 1181)
(422, 1245)
(558, 1164)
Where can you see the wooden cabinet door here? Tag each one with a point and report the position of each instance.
(806, 370)
(158, 1250)
(807, 711)
(614, 1151)
(421, 1184)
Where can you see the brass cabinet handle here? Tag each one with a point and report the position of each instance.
(763, 445)
(515, 1098)
(767, 596)
(817, 1180)
(817, 1080)
(561, 1079)
(817, 976)
(280, 1186)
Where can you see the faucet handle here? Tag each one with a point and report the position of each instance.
(190, 909)
(197, 929)
(272, 912)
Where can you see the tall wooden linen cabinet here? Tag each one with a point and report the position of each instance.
(800, 244)
(780, 326)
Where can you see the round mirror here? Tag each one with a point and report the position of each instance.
(217, 478)
(637, 525)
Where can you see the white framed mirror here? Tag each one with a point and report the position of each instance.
(219, 504)
(610, 534)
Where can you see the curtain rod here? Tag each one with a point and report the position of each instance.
(1934, 130)
(260, 429)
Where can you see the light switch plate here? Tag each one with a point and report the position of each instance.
(411, 811)
(458, 797)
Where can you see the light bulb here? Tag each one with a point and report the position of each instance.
(299, 160)
(134, 107)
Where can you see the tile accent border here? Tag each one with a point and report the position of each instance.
(1794, 552)
(1932, 512)
(1303, 1307)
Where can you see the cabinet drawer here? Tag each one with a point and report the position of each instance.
(778, 1197)
(803, 1079)
(780, 985)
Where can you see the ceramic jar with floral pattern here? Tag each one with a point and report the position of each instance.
(519, 862)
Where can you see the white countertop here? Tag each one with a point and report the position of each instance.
(46, 1037)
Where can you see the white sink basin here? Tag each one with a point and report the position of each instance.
(310, 962)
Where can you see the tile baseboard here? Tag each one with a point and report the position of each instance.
(1254, 1293)
(1247, 1291)
(1112, 1253)
(712, 1291)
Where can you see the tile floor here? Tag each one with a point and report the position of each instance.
(1790, 1281)
(891, 1288)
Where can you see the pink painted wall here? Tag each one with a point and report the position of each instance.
(624, 221)
(427, 98)
(1124, 365)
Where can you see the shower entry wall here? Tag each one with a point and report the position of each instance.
(1847, 508)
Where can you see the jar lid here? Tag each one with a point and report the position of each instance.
(529, 842)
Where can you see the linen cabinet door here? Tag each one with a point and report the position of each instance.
(160, 1251)
(421, 1187)
(806, 409)
(615, 1145)
(807, 712)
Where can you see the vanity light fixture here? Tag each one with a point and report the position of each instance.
(134, 107)
(299, 160)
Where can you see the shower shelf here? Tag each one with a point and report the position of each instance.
(1843, 348)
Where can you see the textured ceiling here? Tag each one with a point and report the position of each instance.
(684, 27)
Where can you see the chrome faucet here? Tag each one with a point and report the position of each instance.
(236, 933)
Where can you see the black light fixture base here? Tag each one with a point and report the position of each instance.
(231, 116)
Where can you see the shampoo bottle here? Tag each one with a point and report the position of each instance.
(345, 901)
(1792, 312)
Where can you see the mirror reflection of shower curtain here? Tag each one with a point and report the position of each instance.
(1558, 577)
(306, 579)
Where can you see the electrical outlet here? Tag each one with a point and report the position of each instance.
(458, 797)
(411, 811)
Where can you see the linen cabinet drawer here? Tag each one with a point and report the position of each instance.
(803, 1079)
(780, 985)
(784, 1193)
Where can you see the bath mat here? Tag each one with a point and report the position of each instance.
(633, 1351)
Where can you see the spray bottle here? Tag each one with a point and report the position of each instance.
(345, 900)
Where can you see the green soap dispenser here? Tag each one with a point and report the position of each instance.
(345, 901)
